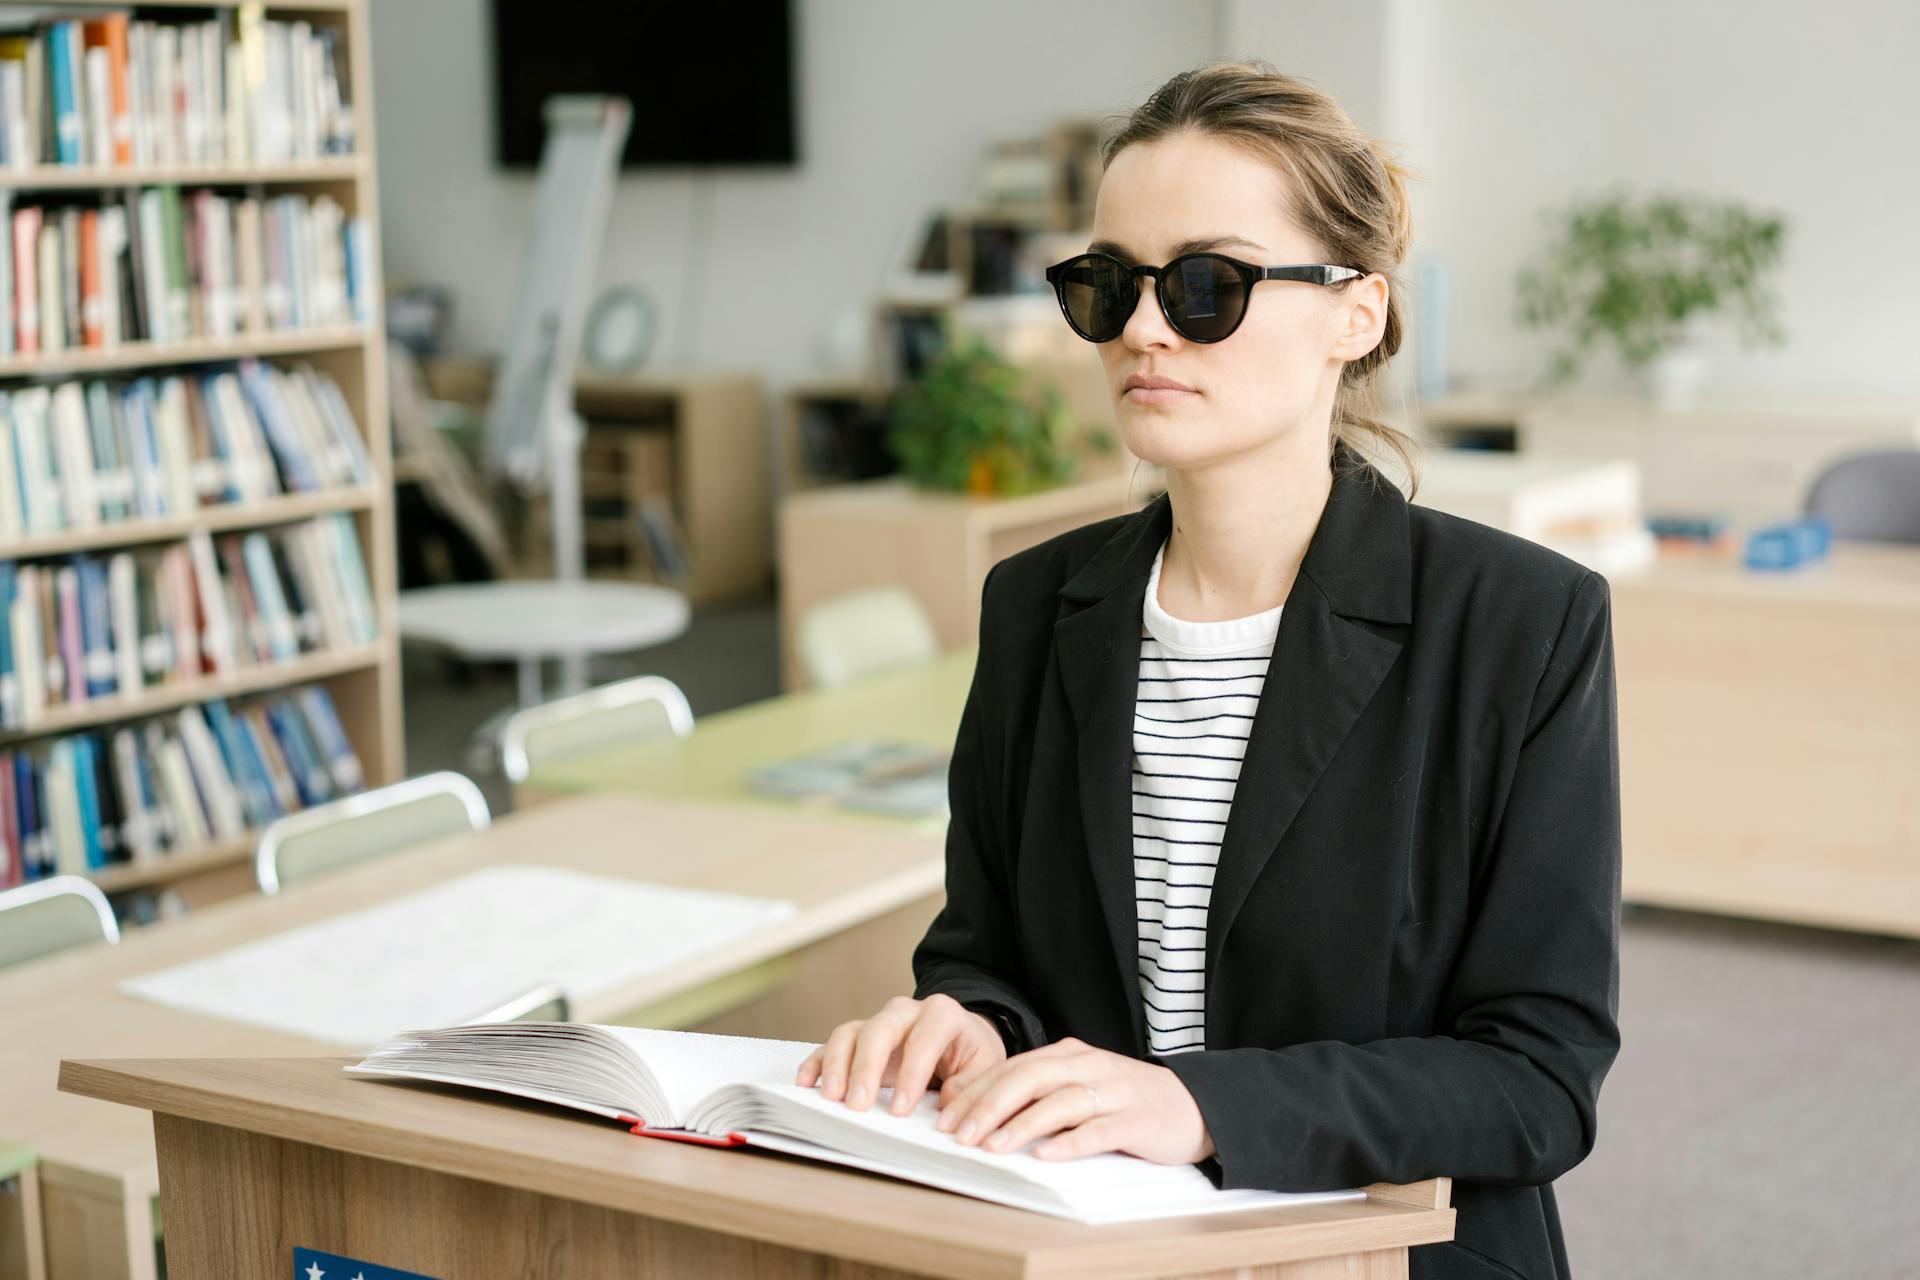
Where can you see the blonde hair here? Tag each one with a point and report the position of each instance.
(1349, 194)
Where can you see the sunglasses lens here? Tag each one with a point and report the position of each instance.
(1205, 295)
(1098, 295)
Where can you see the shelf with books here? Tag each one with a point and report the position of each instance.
(103, 86)
(92, 639)
(141, 355)
(219, 518)
(160, 800)
(169, 867)
(329, 7)
(59, 177)
(168, 697)
(238, 169)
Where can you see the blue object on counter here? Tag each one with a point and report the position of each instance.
(1789, 544)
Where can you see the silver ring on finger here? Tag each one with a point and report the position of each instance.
(1096, 1097)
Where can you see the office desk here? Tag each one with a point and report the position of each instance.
(260, 1157)
(1770, 737)
(920, 703)
(97, 1171)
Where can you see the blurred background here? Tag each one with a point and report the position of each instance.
(715, 385)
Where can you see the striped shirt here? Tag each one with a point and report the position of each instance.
(1199, 685)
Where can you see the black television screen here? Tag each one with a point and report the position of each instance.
(710, 83)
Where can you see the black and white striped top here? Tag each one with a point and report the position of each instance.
(1199, 685)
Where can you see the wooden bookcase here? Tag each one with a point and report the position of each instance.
(695, 441)
(363, 682)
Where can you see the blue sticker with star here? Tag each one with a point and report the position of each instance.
(311, 1264)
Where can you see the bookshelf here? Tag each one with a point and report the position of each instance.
(696, 441)
(363, 679)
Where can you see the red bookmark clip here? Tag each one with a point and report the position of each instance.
(639, 1127)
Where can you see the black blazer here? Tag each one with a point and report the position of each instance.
(1413, 938)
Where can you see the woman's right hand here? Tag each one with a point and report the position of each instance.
(906, 1045)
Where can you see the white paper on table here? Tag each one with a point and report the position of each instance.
(446, 954)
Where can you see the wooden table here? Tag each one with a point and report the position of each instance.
(260, 1157)
(1770, 737)
(920, 703)
(850, 879)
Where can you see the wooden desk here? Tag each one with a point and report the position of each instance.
(1770, 737)
(97, 1172)
(919, 704)
(258, 1157)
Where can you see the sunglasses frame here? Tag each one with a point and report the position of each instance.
(1311, 273)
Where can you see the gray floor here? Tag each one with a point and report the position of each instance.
(1763, 1118)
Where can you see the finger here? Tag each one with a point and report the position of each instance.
(835, 1059)
(955, 1085)
(967, 1091)
(874, 1048)
(1095, 1136)
(930, 1037)
(1026, 1079)
(1069, 1105)
(809, 1069)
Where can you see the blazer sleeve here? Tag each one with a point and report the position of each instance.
(971, 951)
(1508, 1094)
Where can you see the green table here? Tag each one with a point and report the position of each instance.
(920, 703)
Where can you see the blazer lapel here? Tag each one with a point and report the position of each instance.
(1098, 648)
(1325, 669)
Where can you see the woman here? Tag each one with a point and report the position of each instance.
(1285, 831)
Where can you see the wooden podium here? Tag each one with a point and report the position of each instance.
(261, 1156)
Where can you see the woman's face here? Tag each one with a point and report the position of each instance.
(1275, 375)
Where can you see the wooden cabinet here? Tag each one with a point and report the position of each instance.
(1751, 457)
(696, 442)
(939, 546)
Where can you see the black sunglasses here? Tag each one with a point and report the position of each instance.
(1202, 295)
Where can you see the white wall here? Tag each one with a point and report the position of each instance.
(896, 102)
(1504, 109)
(1512, 108)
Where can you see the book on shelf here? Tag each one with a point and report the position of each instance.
(100, 627)
(739, 1091)
(660, 532)
(80, 455)
(102, 268)
(203, 774)
(105, 89)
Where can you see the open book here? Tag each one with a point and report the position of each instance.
(739, 1091)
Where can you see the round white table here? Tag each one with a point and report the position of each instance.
(530, 621)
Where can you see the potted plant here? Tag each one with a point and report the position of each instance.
(974, 422)
(1649, 275)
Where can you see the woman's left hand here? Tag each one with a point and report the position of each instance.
(1080, 1100)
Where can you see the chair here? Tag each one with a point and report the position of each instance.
(849, 636)
(1872, 497)
(52, 915)
(544, 1003)
(624, 711)
(330, 836)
